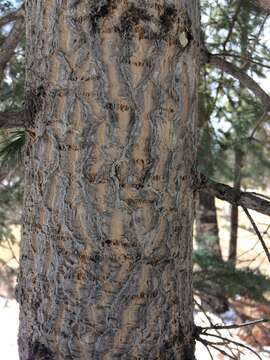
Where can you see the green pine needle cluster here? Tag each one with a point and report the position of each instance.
(11, 148)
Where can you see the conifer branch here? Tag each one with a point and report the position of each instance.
(238, 74)
(12, 16)
(234, 197)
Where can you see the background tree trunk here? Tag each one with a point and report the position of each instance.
(234, 208)
(207, 234)
(108, 210)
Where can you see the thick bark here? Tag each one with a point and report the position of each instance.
(108, 211)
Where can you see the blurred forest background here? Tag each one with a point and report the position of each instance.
(231, 269)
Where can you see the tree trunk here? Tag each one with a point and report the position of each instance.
(234, 208)
(108, 209)
(207, 234)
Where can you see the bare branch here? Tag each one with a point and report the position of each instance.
(15, 119)
(227, 193)
(241, 57)
(258, 233)
(234, 326)
(233, 342)
(12, 16)
(204, 342)
(238, 74)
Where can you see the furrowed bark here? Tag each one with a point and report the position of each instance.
(106, 255)
(229, 194)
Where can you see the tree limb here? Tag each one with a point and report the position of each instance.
(15, 119)
(239, 74)
(234, 197)
(12, 16)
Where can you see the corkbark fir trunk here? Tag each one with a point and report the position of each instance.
(108, 209)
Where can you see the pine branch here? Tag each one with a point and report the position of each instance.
(12, 16)
(15, 119)
(234, 197)
(238, 74)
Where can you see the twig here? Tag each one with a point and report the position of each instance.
(238, 74)
(205, 342)
(258, 194)
(198, 329)
(236, 56)
(223, 352)
(257, 125)
(234, 19)
(235, 326)
(235, 343)
(12, 251)
(258, 233)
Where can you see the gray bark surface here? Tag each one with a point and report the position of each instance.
(106, 269)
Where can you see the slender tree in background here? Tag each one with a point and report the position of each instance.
(207, 232)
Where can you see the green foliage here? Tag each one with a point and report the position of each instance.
(11, 142)
(237, 33)
(212, 274)
(11, 148)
